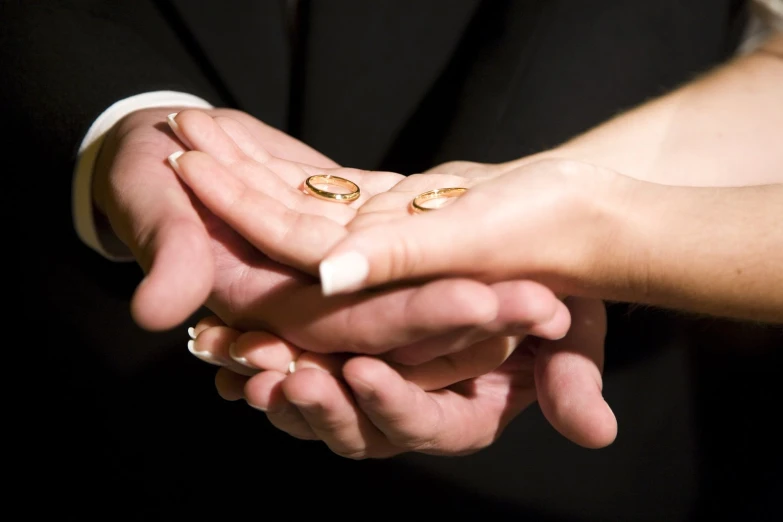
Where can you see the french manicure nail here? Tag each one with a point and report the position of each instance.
(343, 273)
(232, 351)
(173, 160)
(207, 357)
(170, 119)
(291, 367)
(192, 332)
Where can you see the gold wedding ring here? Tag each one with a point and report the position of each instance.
(335, 181)
(430, 195)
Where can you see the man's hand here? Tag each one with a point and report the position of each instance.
(168, 233)
(364, 407)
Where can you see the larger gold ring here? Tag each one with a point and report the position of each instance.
(328, 179)
(441, 193)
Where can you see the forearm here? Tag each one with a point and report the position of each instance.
(723, 129)
(716, 251)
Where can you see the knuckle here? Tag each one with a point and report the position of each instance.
(406, 255)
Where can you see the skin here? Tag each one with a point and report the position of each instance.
(678, 139)
(322, 399)
(191, 256)
(692, 223)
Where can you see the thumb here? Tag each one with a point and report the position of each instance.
(568, 378)
(418, 246)
(179, 276)
(152, 213)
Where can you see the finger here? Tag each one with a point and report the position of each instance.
(289, 237)
(422, 245)
(395, 202)
(476, 360)
(332, 414)
(529, 308)
(203, 324)
(264, 392)
(286, 183)
(441, 422)
(175, 253)
(263, 351)
(232, 145)
(524, 308)
(569, 382)
(230, 385)
(212, 346)
(200, 132)
(374, 323)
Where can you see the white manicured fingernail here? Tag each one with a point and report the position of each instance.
(238, 358)
(176, 130)
(192, 332)
(207, 357)
(173, 161)
(292, 367)
(343, 273)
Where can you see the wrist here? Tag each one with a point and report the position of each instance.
(603, 257)
(627, 239)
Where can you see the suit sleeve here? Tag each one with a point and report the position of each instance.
(63, 65)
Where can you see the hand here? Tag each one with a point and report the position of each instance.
(234, 204)
(191, 256)
(170, 236)
(543, 220)
(258, 197)
(363, 407)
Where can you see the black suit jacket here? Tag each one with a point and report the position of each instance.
(392, 84)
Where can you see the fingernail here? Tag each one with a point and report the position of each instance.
(291, 367)
(238, 358)
(207, 357)
(176, 130)
(343, 273)
(192, 332)
(173, 161)
(259, 408)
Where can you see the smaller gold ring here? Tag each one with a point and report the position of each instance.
(441, 193)
(328, 179)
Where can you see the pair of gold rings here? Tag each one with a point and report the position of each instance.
(421, 203)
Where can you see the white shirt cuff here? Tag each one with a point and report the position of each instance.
(766, 18)
(83, 210)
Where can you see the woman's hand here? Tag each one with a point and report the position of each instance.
(259, 205)
(544, 221)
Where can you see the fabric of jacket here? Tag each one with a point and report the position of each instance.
(391, 84)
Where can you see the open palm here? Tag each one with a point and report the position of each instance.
(269, 236)
(268, 208)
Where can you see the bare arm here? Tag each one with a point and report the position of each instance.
(657, 239)
(724, 129)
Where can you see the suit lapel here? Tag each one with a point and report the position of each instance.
(246, 43)
(368, 65)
